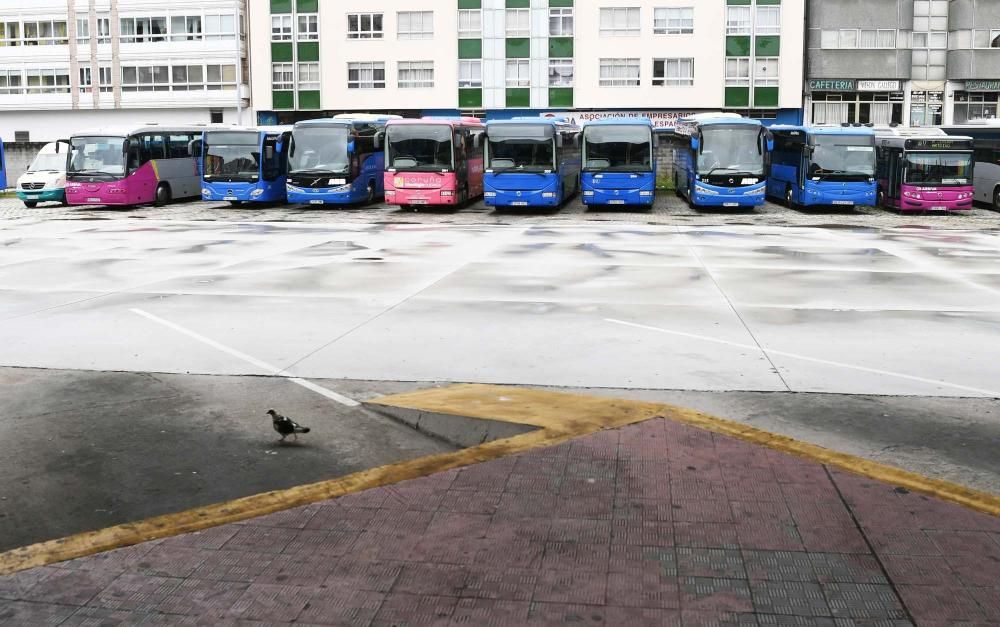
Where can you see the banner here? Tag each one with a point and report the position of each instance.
(660, 119)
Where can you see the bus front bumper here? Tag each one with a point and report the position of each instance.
(711, 196)
(839, 197)
(42, 195)
(513, 198)
(340, 195)
(242, 193)
(602, 197)
(419, 197)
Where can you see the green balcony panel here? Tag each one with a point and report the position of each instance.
(764, 96)
(519, 48)
(518, 97)
(768, 46)
(283, 99)
(470, 98)
(281, 52)
(560, 96)
(308, 51)
(737, 2)
(737, 96)
(470, 48)
(561, 47)
(768, 2)
(560, 3)
(738, 46)
(281, 6)
(309, 100)
(518, 4)
(470, 4)
(307, 6)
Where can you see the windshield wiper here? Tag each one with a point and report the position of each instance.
(101, 172)
(319, 171)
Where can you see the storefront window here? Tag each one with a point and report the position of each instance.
(981, 105)
(857, 107)
(926, 108)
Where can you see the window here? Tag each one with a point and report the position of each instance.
(220, 77)
(470, 73)
(10, 82)
(282, 77)
(518, 23)
(185, 28)
(768, 20)
(309, 76)
(561, 22)
(737, 72)
(366, 75)
(619, 73)
(848, 38)
(104, 78)
(673, 72)
(308, 27)
(215, 116)
(673, 21)
(518, 73)
(82, 30)
(560, 72)
(281, 28)
(620, 22)
(10, 33)
(47, 81)
(146, 78)
(86, 80)
(103, 29)
(470, 24)
(852, 38)
(738, 20)
(143, 29)
(415, 24)
(47, 33)
(188, 77)
(364, 26)
(415, 74)
(765, 72)
(220, 26)
(935, 40)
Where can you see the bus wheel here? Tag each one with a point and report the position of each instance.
(30, 204)
(789, 198)
(996, 199)
(371, 192)
(162, 195)
(880, 199)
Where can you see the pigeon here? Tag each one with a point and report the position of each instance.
(286, 426)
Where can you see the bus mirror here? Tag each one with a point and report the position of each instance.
(268, 153)
(770, 144)
(656, 140)
(194, 148)
(559, 140)
(379, 140)
(477, 140)
(350, 147)
(696, 144)
(279, 147)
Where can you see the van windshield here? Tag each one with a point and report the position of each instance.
(49, 162)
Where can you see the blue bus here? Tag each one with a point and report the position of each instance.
(244, 164)
(619, 162)
(719, 160)
(823, 165)
(531, 162)
(337, 161)
(3, 168)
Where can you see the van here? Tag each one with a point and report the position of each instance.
(45, 180)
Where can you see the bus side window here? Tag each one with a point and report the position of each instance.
(152, 146)
(134, 156)
(177, 146)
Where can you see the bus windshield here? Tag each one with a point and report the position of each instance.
(731, 150)
(319, 150)
(840, 157)
(232, 156)
(932, 168)
(419, 147)
(525, 148)
(49, 162)
(618, 148)
(97, 156)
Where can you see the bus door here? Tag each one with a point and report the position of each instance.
(895, 165)
(461, 159)
(272, 157)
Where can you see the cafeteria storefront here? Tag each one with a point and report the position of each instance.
(853, 101)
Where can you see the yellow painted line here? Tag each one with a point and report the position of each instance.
(559, 416)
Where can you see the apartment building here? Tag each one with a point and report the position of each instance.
(502, 58)
(909, 62)
(66, 65)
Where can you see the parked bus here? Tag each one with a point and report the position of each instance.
(134, 166)
(985, 136)
(619, 162)
(531, 162)
(823, 165)
(335, 161)
(45, 179)
(719, 160)
(244, 164)
(433, 161)
(923, 169)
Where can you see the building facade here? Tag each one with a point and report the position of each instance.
(909, 62)
(119, 62)
(502, 58)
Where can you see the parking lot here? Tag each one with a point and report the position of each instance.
(152, 330)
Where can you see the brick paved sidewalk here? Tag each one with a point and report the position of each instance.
(653, 524)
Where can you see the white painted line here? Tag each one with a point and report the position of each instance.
(263, 365)
(825, 362)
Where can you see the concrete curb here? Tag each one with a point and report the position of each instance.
(455, 429)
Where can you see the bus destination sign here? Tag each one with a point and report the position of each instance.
(939, 144)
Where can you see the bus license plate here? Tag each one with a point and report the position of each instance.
(315, 202)
(939, 208)
(519, 203)
(730, 204)
(616, 202)
(93, 200)
(418, 201)
(230, 198)
(843, 202)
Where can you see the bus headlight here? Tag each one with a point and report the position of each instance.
(964, 195)
(589, 192)
(447, 192)
(645, 192)
(205, 191)
(699, 189)
(548, 194)
(255, 193)
(293, 189)
(757, 192)
(390, 192)
(914, 195)
(489, 194)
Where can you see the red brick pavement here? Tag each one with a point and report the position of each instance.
(653, 524)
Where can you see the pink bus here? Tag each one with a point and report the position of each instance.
(134, 166)
(433, 161)
(924, 169)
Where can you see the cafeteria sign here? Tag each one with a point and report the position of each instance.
(661, 119)
(832, 84)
